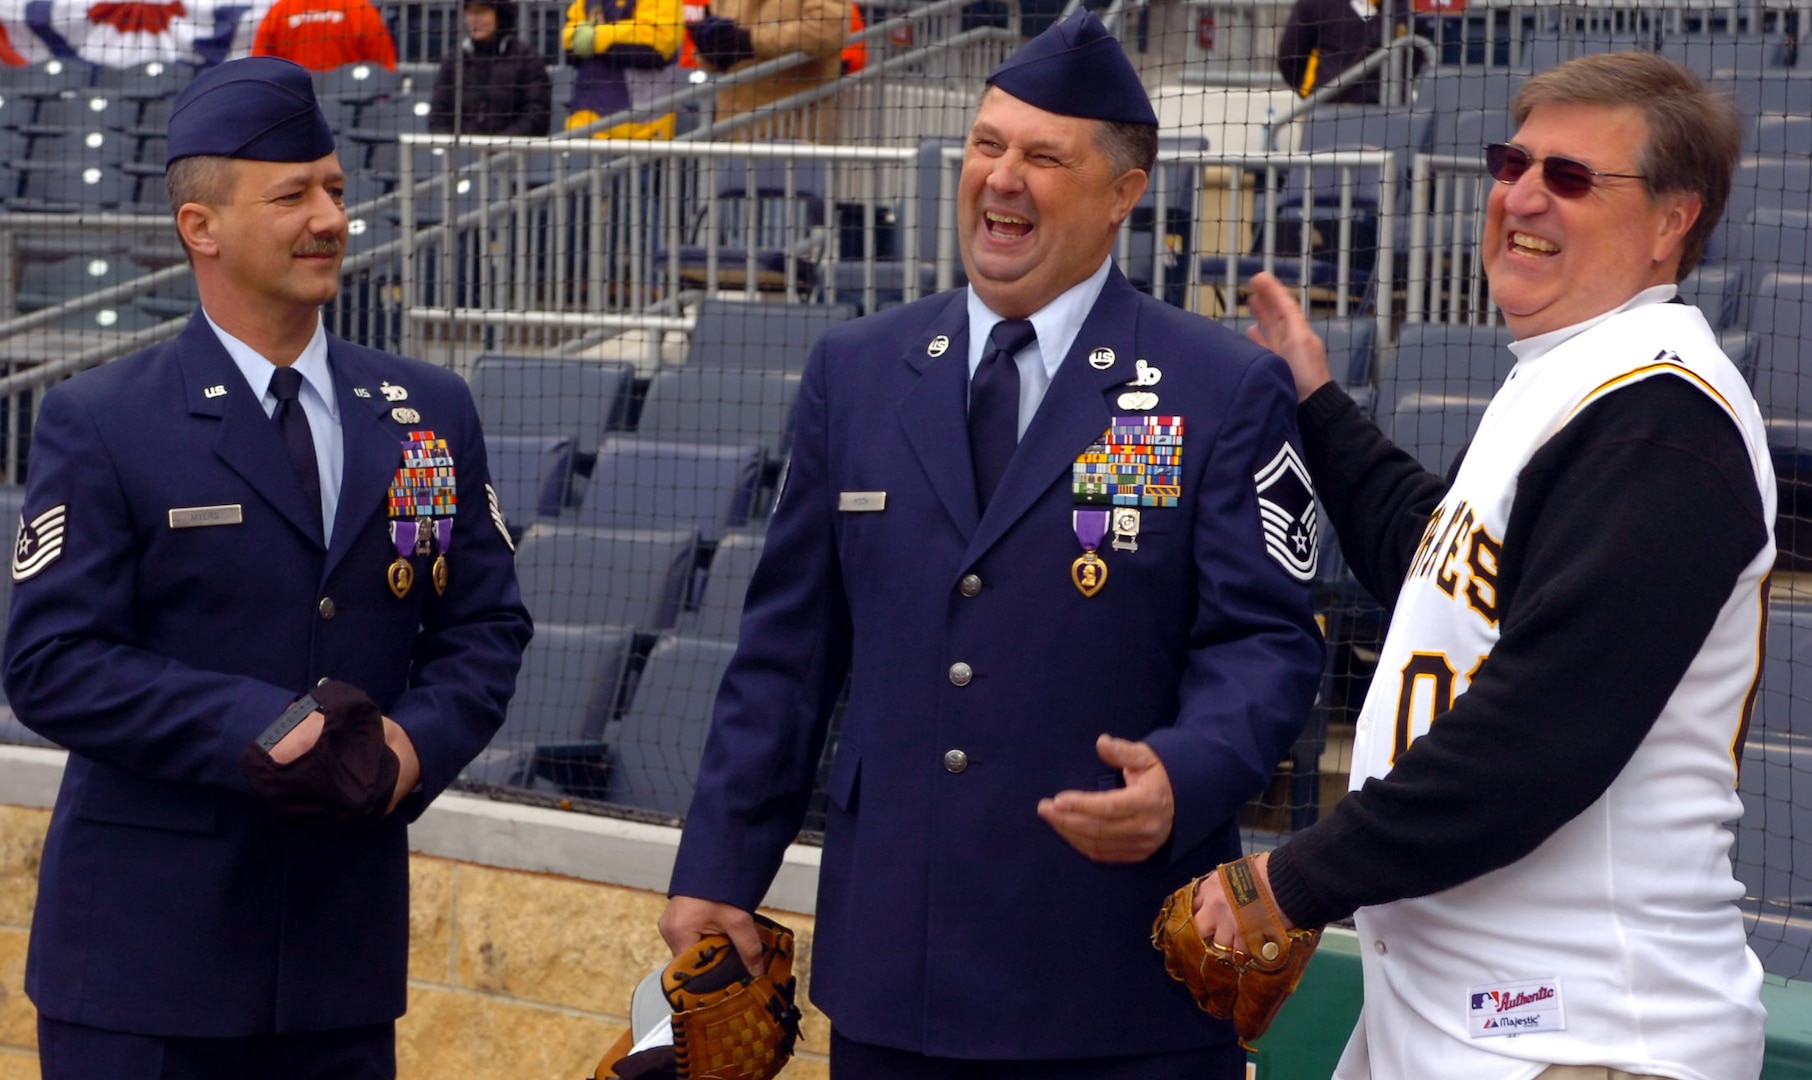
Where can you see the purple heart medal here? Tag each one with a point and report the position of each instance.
(1089, 571)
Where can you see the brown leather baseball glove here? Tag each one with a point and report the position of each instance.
(727, 1024)
(1246, 988)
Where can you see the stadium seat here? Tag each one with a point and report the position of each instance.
(1716, 288)
(534, 395)
(727, 583)
(845, 280)
(755, 336)
(45, 283)
(622, 577)
(1548, 48)
(644, 482)
(568, 686)
(732, 407)
(1434, 427)
(1742, 347)
(770, 219)
(530, 474)
(1452, 94)
(1443, 360)
(1777, 133)
(1781, 313)
(1350, 345)
(655, 750)
(1762, 180)
(1708, 53)
(1770, 91)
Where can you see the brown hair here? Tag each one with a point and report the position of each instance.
(1695, 135)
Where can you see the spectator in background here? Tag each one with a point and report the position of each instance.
(496, 83)
(324, 34)
(625, 51)
(1325, 37)
(739, 34)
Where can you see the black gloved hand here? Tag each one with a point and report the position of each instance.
(344, 783)
(720, 42)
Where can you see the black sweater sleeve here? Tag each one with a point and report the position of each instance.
(1628, 531)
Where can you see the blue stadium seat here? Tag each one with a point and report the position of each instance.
(755, 336)
(656, 748)
(1716, 288)
(1781, 313)
(535, 395)
(727, 583)
(1548, 48)
(733, 407)
(1780, 181)
(653, 483)
(770, 217)
(567, 688)
(1777, 133)
(1773, 90)
(1452, 94)
(1709, 53)
(1773, 852)
(1350, 344)
(621, 577)
(845, 278)
(1444, 360)
(530, 474)
(1434, 427)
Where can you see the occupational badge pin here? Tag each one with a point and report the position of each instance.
(1138, 400)
(1089, 571)
(939, 345)
(1144, 374)
(1126, 529)
(405, 415)
(1101, 359)
(393, 393)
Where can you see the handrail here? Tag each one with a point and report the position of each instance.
(1334, 86)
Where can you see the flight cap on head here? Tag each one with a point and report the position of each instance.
(261, 108)
(1076, 68)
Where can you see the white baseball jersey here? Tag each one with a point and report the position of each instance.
(1615, 942)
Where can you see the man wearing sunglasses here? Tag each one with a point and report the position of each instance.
(1535, 842)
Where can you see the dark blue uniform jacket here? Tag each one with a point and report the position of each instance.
(170, 900)
(952, 920)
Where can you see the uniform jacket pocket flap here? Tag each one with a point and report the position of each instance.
(120, 798)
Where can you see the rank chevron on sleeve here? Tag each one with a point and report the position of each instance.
(40, 542)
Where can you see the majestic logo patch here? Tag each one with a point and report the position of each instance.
(490, 494)
(1286, 508)
(40, 542)
(1514, 1008)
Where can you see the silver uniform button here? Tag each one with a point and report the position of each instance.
(970, 585)
(955, 761)
(326, 607)
(1378, 944)
(961, 674)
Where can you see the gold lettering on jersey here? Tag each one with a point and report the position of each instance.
(1482, 560)
(1456, 546)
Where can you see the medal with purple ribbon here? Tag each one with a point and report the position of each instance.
(1089, 571)
(401, 575)
(443, 535)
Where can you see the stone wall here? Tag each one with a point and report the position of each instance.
(529, 929)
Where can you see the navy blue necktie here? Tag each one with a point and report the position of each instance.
(994, 405)
(298, 439)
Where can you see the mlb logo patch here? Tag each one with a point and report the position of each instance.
(1516, 1008)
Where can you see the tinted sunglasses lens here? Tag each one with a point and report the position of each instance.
(1567, 178)
(1505, 163)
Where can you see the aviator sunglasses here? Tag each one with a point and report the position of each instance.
(1565, 177)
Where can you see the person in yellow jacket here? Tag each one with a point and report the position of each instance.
(625, 51)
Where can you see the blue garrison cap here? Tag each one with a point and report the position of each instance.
(261, 108)
(1076, 68)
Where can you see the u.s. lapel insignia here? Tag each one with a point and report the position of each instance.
(1286, 510)
(1101, 359)
(40, 542)
(393, 393)
(1138, 401)
(1144, 374)
(217, 390)
(360, 391)
(939, 345)
(405, 415)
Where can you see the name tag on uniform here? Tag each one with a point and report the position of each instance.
(858, 502)
(200, 517)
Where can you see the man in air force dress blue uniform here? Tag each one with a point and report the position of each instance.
(206, 537)
(1057, 534)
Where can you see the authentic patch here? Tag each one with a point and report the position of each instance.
(1515, 1008)
(1286, 509)
(490, 494)
(40, 542)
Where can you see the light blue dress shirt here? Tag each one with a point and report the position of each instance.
(319, 404)
(1057, 324)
